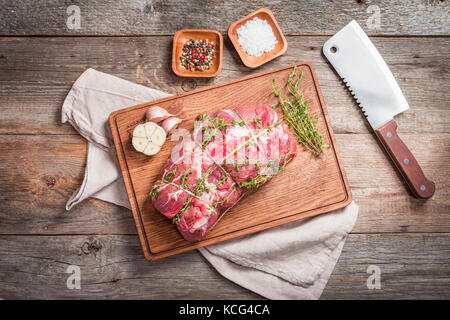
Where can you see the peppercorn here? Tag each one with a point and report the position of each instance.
(197, 55)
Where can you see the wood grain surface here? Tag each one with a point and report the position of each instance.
(113, 267)
(318, 187)
(165, 17)
(46, 73)
(42, 161)
(32, 201)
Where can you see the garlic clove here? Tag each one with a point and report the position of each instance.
(139, 143)
(151, 149)
(157, 114)
(149, 128)
(139, 131)
(170, 124)
(158, 136)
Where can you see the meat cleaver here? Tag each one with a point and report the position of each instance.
(364, 72)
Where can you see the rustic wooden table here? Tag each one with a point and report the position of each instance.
(42, 161)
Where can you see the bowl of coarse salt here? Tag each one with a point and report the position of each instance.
(257, 38)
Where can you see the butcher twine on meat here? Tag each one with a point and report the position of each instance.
(231, 153)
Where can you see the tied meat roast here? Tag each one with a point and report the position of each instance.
(232, 152)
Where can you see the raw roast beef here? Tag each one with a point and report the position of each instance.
(231, 153)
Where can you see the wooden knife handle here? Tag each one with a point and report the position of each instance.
(405, 161)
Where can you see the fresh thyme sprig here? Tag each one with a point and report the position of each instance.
(222, 181)
(295, 110)
(254, 182)
(226, 199)
(154, 191)
(171, 174)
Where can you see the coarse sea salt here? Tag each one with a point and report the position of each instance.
(256, 37)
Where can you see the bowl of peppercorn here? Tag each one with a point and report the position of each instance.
(197, 53)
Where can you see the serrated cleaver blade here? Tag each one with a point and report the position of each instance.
(365, 73)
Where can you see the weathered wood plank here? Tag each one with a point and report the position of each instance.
(156, 17)
(39, 173)
(37, 73)
(377, 187)
(111, 267)
(412, 266)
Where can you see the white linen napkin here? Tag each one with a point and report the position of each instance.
(292, 261)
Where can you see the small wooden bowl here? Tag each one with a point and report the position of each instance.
(252, 61)
(183, 36)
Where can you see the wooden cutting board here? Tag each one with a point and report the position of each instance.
(306, 187)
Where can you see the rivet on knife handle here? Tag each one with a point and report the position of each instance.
(405, 161)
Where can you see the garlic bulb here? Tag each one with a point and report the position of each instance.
(157, 114)
(170, 124)
(148, 138)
